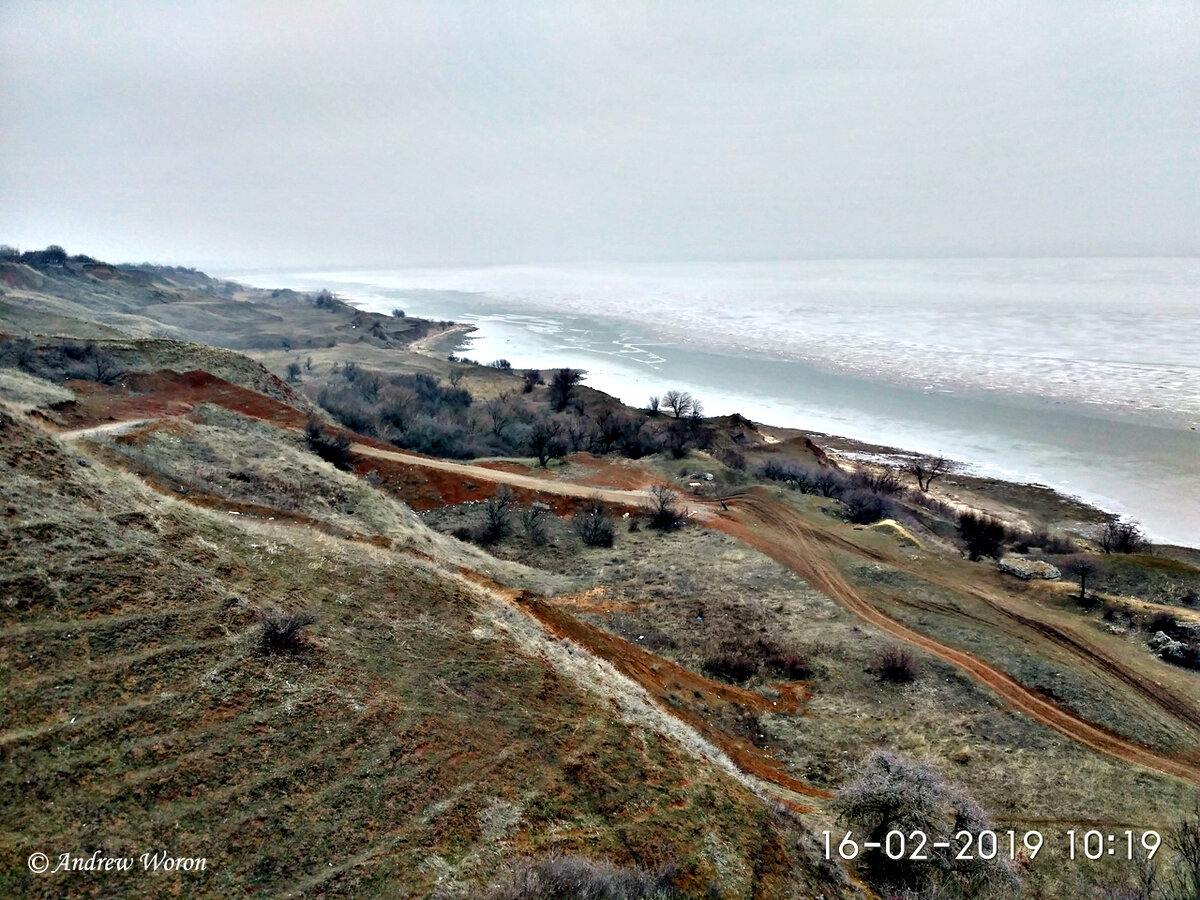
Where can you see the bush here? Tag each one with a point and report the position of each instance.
(332, 447)
(561, 877)
(1118, 536)
(281, 632)
(892, 793)
(788, 664)
(736, 667)
(896, 666)
(885, 482)
(662, 510)
(982, 535)
(734, 460)
(530, 380)
(498, 513)
(562, 387)
(594, 525)
(867, 507)
(533, 520)
(1057, 545)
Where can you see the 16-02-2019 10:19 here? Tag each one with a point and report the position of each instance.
(987, 844)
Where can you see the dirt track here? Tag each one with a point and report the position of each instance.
(545, 485)
(784, 536)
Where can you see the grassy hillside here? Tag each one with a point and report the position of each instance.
(420, 736)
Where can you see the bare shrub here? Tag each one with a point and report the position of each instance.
(734, 460)
(892, 793)
(333, 447)
(733, 666)
(866, 507)
(896, 665)
(533, 520)
(502, 364)
(828, 483)
(1042, 539)
(884, 481)
(531, 379)
(282, 632)
(293, 371)
(788, 664)
(981, 535)
(1182, 881)
(654, 406)
(558, 877)
(662, 509)
(498, 516)
(1122, 536)
(594, 524)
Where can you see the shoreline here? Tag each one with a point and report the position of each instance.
(1133, 469)
(1025, 503)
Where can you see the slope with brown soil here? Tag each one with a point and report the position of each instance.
(784, 536)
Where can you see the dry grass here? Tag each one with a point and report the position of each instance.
(137, 715)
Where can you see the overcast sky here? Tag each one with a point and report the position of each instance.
(297, 133)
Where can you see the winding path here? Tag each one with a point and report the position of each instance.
(778, 531)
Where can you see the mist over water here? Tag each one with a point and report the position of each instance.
(1078, 373)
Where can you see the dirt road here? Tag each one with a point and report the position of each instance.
(784, 536)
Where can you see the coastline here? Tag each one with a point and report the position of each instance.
(1136, 467)
(1025, 503)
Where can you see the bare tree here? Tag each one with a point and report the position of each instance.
(679, 402)
(293, 371)
(655, 405)
(1082, 568)
(927, 470)
(455, 377)
(544, 440)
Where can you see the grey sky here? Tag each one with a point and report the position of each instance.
(298, 133)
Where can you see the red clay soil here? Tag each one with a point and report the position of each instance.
(424, 488)
(668, 682)
(152, 395)
(776, 530)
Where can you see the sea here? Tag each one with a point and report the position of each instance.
(1080, 374)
